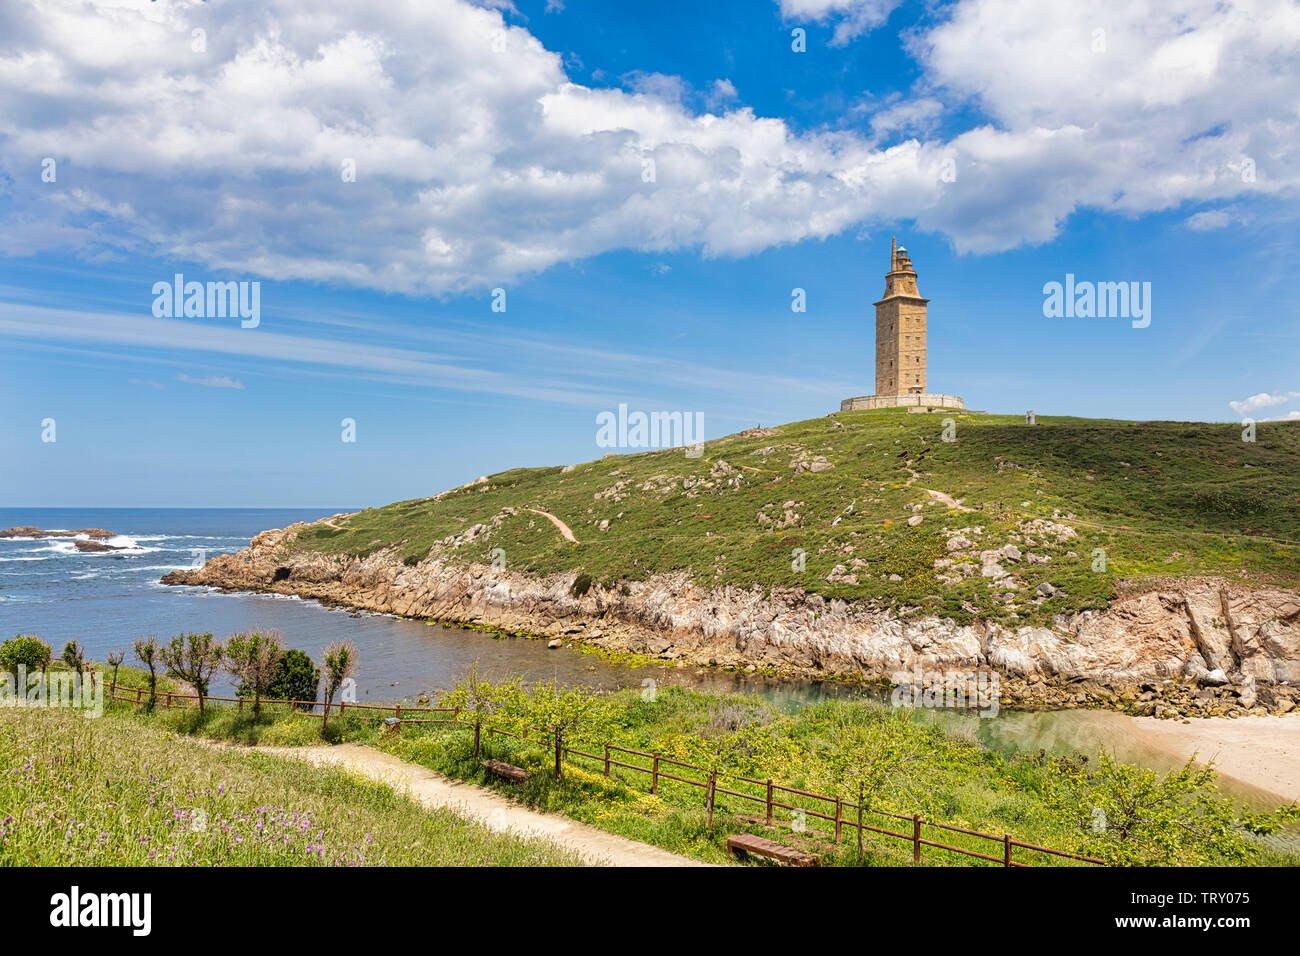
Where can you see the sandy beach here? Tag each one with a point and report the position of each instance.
(1262, 752)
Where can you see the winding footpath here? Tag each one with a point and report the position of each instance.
(564, 528)
(484, 806)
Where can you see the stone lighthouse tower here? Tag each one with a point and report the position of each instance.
(900, 344)
(900, 330)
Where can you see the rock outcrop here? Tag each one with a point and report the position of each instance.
(1194, 646)
(96, 547)
(27, 531)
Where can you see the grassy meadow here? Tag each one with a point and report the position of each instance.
(122, 790)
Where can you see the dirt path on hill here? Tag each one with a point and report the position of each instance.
(329, 522)
(484, 806)
(564, 528)
(944, 498)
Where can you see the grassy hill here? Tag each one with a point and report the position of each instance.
(1160, 499)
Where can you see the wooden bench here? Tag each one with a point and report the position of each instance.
(507, 771)
(741, 843)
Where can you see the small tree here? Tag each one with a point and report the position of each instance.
(25, 650)
(74, 656)
(340, 664)
(116, 659)
(251, 657)
(559, 711)
(193, 658)
(869, 760)
(296, 677)
(47, 656)
(149, 653)
(1134, 816)
(481, 699)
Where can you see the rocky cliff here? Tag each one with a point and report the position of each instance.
(1196, 646)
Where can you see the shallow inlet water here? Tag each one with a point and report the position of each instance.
(108, 600)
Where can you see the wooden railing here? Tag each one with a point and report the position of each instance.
(845, 813)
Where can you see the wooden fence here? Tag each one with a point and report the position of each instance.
(839, 812)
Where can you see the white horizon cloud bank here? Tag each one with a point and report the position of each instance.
(478, 161)
(1262, 400)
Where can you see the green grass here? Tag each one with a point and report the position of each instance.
(967, 785)
(121, 791)
(1161, 499)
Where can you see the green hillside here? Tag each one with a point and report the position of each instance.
(1159, 498)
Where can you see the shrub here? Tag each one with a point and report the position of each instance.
(559, 712)
(581, 585)
(340, 665)
(193, 658)
(252, 657)
(148, 651)
(296, 677)
(25, 650)
(74, 656)
(1134, 816)
(479, 700)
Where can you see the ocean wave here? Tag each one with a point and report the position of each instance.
(133, 569)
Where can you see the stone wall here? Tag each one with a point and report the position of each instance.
(898, 401)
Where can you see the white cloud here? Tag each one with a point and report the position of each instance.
(1262, 400)
(852, 18)
(671, 89)
(211, 381)
(721, 95)
(1210, 219)
(475, 167)
(918, 114)
(481, 362)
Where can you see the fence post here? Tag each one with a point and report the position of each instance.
(169, 699)
(138, 691)
(607, 760)
(342, 704)
(654, 777)
(398, 709)
(916, 838)
(241, 704)
(1006, 849)
(839, 816)
(712, 784)
(769, 801)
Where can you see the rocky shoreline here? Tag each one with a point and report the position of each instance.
(1192, 648)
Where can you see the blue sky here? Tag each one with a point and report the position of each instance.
(499, 146)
